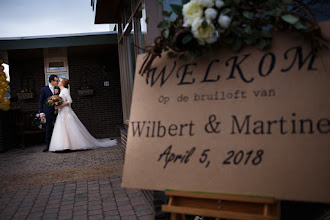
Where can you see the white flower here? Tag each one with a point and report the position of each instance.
(191, 11)
(211, 13)
(206, 3)
(203, 35)
(219, 3)
(224, 21)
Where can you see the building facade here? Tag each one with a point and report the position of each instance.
(137, 27)
(90, 61)
(136, 22)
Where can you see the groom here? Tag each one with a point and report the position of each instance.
(48, 111)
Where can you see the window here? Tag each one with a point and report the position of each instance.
(55, 62)
(55, 65)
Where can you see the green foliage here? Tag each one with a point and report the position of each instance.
(300, 26)
(187, 39)
(289, 18)
(248, 15)
(204, 24)
(166, 14)
(177, 9)
(251, 24)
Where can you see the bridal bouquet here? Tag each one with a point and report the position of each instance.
(54, 100)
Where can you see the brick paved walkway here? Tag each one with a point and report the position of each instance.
(72, 185)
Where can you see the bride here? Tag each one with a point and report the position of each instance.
(69, 133)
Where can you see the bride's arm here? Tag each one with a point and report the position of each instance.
(67, 103)
(63, 105)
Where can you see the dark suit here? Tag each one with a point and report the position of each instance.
(49, 112)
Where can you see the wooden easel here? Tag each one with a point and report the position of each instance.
(221, 206)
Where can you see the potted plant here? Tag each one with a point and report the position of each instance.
(25, 94)
(85, 91)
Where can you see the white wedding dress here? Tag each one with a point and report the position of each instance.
(70, 134)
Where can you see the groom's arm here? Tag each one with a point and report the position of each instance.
(41, 101)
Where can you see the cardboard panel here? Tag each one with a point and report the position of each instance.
(248, 123)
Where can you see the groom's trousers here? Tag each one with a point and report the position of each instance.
(49, 128)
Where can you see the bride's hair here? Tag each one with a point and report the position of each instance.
(65, 82)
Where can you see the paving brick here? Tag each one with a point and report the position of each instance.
(51, 210)
(80, 199)
(134, 195)
(5, 217)
(80, 212)
(64, 217)
(24, 209)
(96, 202)
(37, 209)
(123, 203)
(79, 203)
(140, 207)
(91, 198)
(18, 217)
(50, 216)
(111, 213)
(126, 212)
(81, 207)
(126, 207)
(148, 217)
(80, 217)
(22, 213)
(53, 206)
(40, 205)
(109, 208)
(95, 212)
(54, 200)
(94, 198)
(114, 217)
(14, 204)
(95, 207)
(66, 207)
(137, 201)
(65, 212)
(96, 217)
(35, 214)
(109, 199)
(143, 212)
(131, 217)
(122, 199)
(67, 203)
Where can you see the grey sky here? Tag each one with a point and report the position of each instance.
(47, 17)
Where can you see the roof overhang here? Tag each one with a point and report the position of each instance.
(108, 12)
(68, 40)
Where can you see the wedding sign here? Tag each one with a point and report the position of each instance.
(249, 123)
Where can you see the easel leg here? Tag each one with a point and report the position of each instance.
(175, 216)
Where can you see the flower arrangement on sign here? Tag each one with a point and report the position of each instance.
(54, 100)
(4, 102)
(202, 25)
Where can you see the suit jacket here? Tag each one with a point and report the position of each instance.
(44, 95)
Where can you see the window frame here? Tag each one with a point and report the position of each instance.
(127, 68)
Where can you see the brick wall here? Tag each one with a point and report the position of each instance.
(27, 73)
(101, 113)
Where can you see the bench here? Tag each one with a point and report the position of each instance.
(26, 125)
